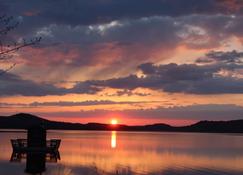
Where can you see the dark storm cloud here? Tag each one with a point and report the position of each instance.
(38, 14)
(14, 85)
(219, 56)
(85, 12)
(158, 29)
(185, 78)
(68, 21)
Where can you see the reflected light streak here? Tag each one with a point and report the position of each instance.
(113, 139)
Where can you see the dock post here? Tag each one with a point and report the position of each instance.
(36, 161)
(36, 137)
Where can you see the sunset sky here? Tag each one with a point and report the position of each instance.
(138, 61)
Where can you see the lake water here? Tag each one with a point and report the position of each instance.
(101, 152)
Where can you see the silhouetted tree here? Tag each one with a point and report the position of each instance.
(8, 48)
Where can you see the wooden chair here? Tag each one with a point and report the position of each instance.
(55, 144)
(22, 143)
(15, 144)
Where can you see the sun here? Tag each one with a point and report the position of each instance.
(113, 121)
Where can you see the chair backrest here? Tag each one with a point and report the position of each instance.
(55, 143)
(15, 144)
(22, 142)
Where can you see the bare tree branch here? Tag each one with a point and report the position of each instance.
(7, 24)
(17, 47)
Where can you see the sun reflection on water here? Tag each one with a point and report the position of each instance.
(113, 139)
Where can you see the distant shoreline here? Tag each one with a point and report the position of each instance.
(17, 122)
(182, 132)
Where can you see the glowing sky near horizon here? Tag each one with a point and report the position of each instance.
(140, 61)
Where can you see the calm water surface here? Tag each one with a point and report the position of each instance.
(92, 153)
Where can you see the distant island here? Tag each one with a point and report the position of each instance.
(24, 121)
